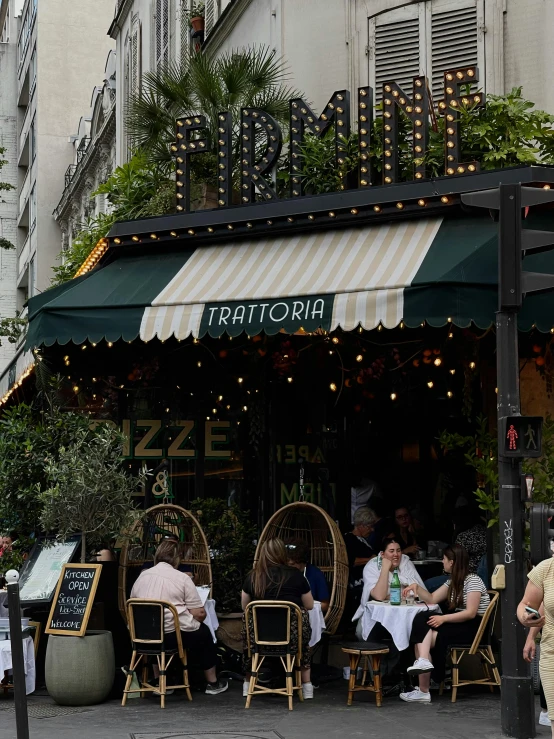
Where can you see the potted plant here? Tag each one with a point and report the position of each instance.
(197, 16)
(89, 492)
(231, 538)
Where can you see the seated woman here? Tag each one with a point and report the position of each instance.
(378, 574)
(273, 579)
(298, 552)
(163, 581)
(405, 530)
(466, 599)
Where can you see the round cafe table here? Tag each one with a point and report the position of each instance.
(397, 620)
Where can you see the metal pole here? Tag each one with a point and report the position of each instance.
(16, 638)
(517, 699)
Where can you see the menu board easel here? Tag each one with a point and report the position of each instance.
(40, 573)
(73, 600)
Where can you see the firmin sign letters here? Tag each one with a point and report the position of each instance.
(261, 137)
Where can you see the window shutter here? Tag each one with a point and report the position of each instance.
(210, 12)
(134, 61)
(454, 41)
(162, 20)
(395, 51)
(184, 30)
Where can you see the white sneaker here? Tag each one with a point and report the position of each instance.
(420, 666)
(416, 696)
(245, 686)
(307, 690)
(543, 718)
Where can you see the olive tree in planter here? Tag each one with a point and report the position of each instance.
(90, 493)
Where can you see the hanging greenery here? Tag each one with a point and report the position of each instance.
(137, 189)
(481, 453)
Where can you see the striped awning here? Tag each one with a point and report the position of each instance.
(416, 270)
(356, 274)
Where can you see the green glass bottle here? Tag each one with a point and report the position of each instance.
(395, 589)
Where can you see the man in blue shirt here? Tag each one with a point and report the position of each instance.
(299, 557)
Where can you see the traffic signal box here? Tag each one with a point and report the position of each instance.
(522, 436)
(541, 533)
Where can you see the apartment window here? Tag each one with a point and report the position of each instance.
(33, 140)
(33, 70)
(162, 10)
(32, 271)
(425, 38)
(26, 28)
(33, 208)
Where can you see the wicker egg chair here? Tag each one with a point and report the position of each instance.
(312, 524)
(148, 532)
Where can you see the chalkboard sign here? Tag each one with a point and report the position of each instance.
(73, 600)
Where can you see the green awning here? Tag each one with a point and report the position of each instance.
(428, 269)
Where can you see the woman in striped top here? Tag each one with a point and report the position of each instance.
(466, 600)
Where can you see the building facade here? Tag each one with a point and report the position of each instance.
(8, 141)
(53, 53)
(94, 157)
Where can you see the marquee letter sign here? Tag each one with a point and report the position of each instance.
(258, 160)
(303, 119)
(416, 109)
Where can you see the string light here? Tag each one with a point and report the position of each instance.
(289, 379)
(430, 384)
(450, 394)
(393, 396)
(452, 371)
(359, 357)
(240, 380)
(472, 365)
(333, 387)
(437, 362)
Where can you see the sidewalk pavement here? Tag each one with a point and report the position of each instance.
(224, 717)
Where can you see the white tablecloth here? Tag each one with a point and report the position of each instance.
(212, 622)
(317, 622)
(397, 620)
(28, 656)
(3, 604)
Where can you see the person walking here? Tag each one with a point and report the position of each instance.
(539, 596)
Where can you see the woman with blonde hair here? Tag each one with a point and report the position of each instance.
(273, 579)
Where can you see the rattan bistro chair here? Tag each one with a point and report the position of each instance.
(270, 621)
(146, 625)
(481, 645)
(327, 549)
(148, 532)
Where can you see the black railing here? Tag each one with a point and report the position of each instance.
(83, 146)
(69, 172)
